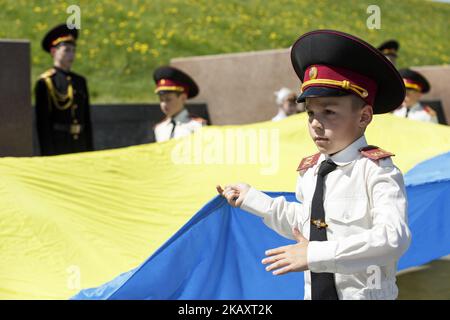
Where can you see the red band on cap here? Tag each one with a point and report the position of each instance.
(412, 85)
(340, 78)
(171, 85)
(64, 38)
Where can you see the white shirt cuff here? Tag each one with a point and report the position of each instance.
(257, 202)
(321, 256)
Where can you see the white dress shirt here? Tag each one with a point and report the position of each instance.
(184, 125)
(365, 207)
(280, 115)
(417, 112)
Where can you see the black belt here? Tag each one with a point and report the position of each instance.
(69, 128)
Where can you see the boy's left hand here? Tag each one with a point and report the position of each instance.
(292, 258)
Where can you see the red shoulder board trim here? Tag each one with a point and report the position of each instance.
(375, 153)
(308, 162)
(430, 110)
(198, 119)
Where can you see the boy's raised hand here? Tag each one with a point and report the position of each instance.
(235, 193)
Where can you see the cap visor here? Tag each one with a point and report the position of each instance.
(314, 92)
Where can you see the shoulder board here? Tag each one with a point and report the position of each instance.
(76, 75)
(308, 162)
(375, 153)
(198, 119)
(47, 73)
(430, 111)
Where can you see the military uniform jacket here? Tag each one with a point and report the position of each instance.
(185, 124)
(63, 113)
(418, 112)
(365, 210)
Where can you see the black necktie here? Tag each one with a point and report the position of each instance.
(407, 112)
(173, 128)
(322, 284)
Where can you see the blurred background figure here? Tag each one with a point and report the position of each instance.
(390, 49)
(174, 87)
(62, 99)
(287, 105)
(416, 85)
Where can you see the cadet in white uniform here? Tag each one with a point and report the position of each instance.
(174, 87)
(351, 225)
(416, 85)
(287, 105)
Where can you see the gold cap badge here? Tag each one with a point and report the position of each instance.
(313, 73)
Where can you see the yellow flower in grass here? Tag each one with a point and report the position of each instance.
(170, 34)
(41, 26)
(144, 48)
(154, 53)
(92, 52)
(172, 10)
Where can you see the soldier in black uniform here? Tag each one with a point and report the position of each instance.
(62, 98)
(390, 50)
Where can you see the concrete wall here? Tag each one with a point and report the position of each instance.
(238, 88)
(15, 99)
(439, 78)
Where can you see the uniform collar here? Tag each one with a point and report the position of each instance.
(350, 153)
(347, 155)
(182, 116)
(415, 107)
(62, 70)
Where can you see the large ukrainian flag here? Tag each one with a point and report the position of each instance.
(77, 221)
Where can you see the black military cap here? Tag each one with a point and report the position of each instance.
(170, 79)
(333, 63)
(414, 80)
(59, 34)
(389, 48)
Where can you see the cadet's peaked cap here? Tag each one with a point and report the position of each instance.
(59, 34)
(414, 80)
(170, 79)
(330, 62)
(389, 47)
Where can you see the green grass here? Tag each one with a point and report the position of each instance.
(122, 42)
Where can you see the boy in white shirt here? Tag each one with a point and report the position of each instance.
(351, 225)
